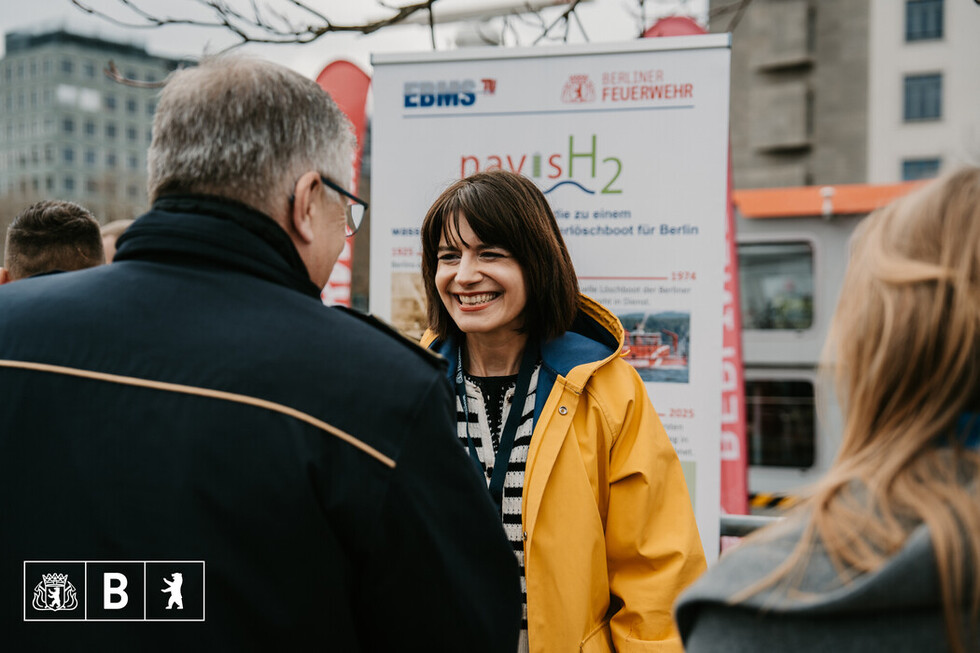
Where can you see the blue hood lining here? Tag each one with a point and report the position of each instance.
(587, 342)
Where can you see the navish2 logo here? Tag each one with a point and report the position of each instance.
(581, 166)
(440, 94)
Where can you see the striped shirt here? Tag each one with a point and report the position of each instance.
(483, 425)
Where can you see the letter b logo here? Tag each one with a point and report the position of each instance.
(114, 595)
(115, 591)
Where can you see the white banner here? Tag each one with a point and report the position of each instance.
(629, 142)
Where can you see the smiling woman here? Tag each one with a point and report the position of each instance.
(482, 288)
(588, 486)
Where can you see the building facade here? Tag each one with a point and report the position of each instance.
(924, 88)
(67, 131)
(852, 91)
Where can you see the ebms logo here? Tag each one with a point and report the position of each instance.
(440, 94)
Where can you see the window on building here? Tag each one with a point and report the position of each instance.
(46, 69)
(91, 185)
(923, 20)
(20, 70)
(7, 73)
(110, 160)
(89, 128)
(68, 125)
(69, 183)
(780, 422)
(49, 183)
(131, 73)
(49, 153)
(67, 67)
(149, 136)
(131, 104)
(90, 157)
(151, 76)
(913, 169)
(33, 74)
(34, 99)
(131, 133)
(34, 184)
(923, 97)
(110, 102)
(110, 130)
(151, 108)
(776, 285)
(89, 69)
(132, 162)
(69, 155)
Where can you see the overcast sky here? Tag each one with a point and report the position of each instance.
(603, 20)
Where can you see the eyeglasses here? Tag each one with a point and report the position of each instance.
(356, 208)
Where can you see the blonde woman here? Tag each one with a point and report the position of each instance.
(885, 556)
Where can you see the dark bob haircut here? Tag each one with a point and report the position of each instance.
(505, 210)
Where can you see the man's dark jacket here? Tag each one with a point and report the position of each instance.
(308, 540)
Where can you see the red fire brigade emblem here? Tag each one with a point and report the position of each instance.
(578, 88)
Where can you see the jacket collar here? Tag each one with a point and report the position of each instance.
(596, 336)
(215, 231)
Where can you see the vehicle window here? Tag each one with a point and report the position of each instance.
(780, 422)
(776, 285)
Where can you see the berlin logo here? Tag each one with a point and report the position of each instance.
(55, 592)
(578, 88)
(173, 588)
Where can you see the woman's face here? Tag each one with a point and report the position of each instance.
(481, 286)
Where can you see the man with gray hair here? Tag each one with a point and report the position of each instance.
(194, 411)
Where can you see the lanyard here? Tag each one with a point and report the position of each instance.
(502, 461)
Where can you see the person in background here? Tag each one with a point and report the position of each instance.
(585, 480)
(885, 555)
(111, 232)
(51, 236)
(195, 401)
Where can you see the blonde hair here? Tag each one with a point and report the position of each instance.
(904, 350)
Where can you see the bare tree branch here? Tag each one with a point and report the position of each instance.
(432, 25)
(113, 73)
(739, 12)
(737, 7)
(263, 24)
(581, 27)
(300, 21)
(563, 17)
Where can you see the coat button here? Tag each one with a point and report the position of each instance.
(562, 410)
(525, 536)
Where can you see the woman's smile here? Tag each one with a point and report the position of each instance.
(476, 301)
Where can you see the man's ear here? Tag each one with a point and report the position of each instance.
(4, 276)
(303, 210)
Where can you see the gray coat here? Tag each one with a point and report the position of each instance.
(897, 608)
